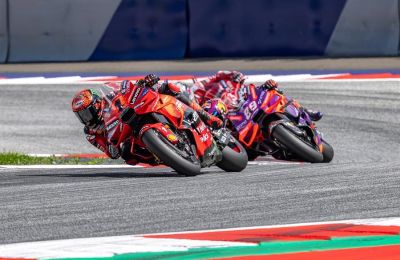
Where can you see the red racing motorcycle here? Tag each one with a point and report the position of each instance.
(159, 129)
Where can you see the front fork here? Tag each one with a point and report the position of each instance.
(212, 154)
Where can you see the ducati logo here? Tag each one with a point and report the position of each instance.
(135, 95)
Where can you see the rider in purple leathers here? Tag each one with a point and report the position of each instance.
(230, 90)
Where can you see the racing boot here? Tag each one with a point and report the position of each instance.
(314, 115)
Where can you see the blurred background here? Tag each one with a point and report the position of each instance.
(50, 49)
(112, 30)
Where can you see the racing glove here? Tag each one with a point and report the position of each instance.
(270, 85)
(150, 80)
(141, 83)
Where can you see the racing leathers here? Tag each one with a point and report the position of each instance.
(97, 135)
(224, 85)
(227, 85)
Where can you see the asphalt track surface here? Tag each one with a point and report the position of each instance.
(363, 181)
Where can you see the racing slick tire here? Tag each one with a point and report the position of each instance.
(168, 153)
(292, 142)
(328, 152)
(234, 157)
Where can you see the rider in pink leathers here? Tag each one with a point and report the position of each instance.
(226, 85)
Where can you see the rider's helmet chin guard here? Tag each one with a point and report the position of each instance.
(86, 105)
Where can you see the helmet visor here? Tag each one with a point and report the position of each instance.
(87, 116)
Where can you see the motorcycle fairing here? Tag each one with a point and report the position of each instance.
(147, 101)
(289, 113)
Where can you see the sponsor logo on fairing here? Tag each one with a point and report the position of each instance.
(201, 127)
(112, 125)
(78, 104)
(164, 130)
(204, 137)
(144, 92)
(212, 151)
(143, 129)
(138, 105)
(241, 125)
(135, 95)
(261, 98)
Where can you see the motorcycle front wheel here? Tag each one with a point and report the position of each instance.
(295, 144)
(169, 154)
(328, 152)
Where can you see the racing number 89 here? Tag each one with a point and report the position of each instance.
(250, 109)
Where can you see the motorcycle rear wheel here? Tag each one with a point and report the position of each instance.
(291, 141)
(234, 157)
(168, 153)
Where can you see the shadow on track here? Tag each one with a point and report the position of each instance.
(107, 175)
(117, 174)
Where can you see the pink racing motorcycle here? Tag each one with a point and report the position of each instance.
(268, 123)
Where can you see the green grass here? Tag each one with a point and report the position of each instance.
(13, 158)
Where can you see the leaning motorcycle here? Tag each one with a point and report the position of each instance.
(268, 123)
(166, 131)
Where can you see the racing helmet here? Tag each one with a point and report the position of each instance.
(86, 105)
(238, 77)
(215, 107)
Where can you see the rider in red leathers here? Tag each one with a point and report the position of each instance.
(227, 85)
(231, 81)
(89, 106)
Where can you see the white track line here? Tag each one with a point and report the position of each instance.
(392, 221)
(255, 79)
(114, 166)
(106, 247)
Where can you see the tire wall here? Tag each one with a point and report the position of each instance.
(85, 30)
(368, 31)
(57, 30)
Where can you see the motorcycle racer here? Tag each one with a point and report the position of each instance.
(227, 85)
(89, 106)
(172, 89)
